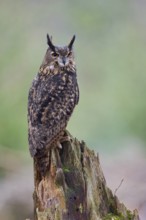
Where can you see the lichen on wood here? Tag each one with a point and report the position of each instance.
(74, 187)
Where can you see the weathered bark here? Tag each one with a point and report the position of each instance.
(74, 188)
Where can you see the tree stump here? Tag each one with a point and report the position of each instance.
(74, 187)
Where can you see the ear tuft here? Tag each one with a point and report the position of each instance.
(49, 42)
(71, 42)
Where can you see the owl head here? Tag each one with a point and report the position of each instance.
(59, 56)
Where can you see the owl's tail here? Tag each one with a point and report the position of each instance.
(42, 161)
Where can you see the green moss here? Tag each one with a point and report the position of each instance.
(113, 217)
(130, 215)
(65, 169)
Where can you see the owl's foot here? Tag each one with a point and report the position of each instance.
(63, 139)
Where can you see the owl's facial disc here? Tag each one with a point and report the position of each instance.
(62, 56)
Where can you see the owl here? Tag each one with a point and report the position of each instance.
(52, 98)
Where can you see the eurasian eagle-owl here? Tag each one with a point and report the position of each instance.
(52, 98)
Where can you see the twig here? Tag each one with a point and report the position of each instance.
(118, 186)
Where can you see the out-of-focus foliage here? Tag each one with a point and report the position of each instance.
(110, 55)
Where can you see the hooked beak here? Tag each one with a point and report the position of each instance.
(62, 62)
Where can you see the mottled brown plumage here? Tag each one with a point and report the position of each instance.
(52, 98)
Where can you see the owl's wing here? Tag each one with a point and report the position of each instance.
(40, 103)
(51, 103)
(77, 94)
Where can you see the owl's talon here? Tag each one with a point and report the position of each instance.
(65, 138)
(59, 145)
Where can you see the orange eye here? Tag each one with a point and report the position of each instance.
(54, 54)
(69, 54)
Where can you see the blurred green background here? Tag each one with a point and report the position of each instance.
(110, 55)
(110, 52)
